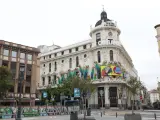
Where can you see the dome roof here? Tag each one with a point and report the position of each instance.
(103, 17)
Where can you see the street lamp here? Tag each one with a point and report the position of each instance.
(21, 77)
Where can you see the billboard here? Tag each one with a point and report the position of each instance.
(111, 71)
(76, 92)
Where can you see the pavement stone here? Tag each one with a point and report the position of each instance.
(109, 115)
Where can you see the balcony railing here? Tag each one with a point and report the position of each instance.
(107, 42)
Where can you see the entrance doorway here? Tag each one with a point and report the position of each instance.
(113, 97)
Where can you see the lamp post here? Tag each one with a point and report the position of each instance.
(21, 77)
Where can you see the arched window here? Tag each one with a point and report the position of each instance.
(49, 79)
(70, 63)
(111, 55)
(99, 56)
(77, 61)
(55, 66)
(98, 38)
(49, 67)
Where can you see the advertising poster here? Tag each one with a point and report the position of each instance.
(76, 92)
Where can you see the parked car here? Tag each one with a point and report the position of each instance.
(147, 107)
(156, 105)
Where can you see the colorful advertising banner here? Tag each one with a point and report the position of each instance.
(111, 71)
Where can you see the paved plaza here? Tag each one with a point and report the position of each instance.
(109, 115)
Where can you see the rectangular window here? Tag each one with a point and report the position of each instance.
(49, 80)
(14, 54)
(76, 48)
(49, 67)
(22, 55)
(55, 79)
(43, 81)
(49, 56)
(62, 52)
(98, 36)
(70, 50)
(84, 46)
(55, 54)
(29, 57)
(55, 66)
(5, 52)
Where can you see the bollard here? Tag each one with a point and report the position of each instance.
(155, 116)
(116, 114)
(101, 114)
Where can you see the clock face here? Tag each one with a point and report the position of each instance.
(110, 33)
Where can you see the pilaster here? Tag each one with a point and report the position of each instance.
(96, 99)
(33, 77)
(107, 102)
(119, 96)
(17, 72)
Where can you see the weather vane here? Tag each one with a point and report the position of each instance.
(103, 7)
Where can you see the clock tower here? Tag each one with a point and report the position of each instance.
(105, 31)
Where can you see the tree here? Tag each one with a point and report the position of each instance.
(134, 85)
(68, 85)
(5, 83)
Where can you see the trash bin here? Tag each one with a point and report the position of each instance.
(74, 116)
(89, 112)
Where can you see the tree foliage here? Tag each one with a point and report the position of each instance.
(68, 85)
(134, 86)
(85, 85)
(5, 83)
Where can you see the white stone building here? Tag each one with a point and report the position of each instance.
(154, 96)
(104, 46)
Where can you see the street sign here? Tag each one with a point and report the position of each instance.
(45, 94)
(76, 92)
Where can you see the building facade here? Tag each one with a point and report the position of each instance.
(154, 96)
(13, 55)
(102, 58)
(157, 27)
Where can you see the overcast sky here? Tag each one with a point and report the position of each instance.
(64, 22)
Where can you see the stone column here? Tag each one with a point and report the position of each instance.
(96, 99)
(33, 77)
(17, 72)
(124, 98)
(119, 92)
(24, 81)
(91, 100)
(9, 58)
(107, 102)
(1, 55)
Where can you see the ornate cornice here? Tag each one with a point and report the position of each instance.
(121, 48)
(98, 28)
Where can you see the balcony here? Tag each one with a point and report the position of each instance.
(107, 42)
